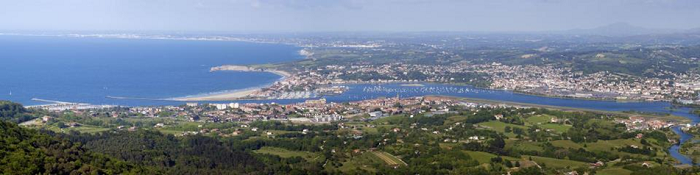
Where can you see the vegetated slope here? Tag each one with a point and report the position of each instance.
(25, 151)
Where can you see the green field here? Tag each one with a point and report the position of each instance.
(523, 145)
(284, 153)
(566, 144)
(82, 129)
(388, 158)
(500, 127)
(557, 163)
(614, 171)
(365, 161)
(539, 119)
(87, 129)
(556, 127)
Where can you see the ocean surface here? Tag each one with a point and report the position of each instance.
(87, 70)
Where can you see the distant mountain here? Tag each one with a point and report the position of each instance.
(693, 31)
(620, 29)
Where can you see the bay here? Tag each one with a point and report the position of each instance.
(87, 70)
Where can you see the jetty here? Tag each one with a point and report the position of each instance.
(55, 105)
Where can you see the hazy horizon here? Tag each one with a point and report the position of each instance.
(343, 15)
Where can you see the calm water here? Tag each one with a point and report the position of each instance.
(674, 149)
(89, 69)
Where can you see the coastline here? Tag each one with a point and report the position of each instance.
(496, 102)
(240, 94)
(233, 95)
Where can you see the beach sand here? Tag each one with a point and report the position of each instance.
(237, 95)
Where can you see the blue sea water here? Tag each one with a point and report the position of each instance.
(87, 70)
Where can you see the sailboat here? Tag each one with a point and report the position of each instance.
(10, 93)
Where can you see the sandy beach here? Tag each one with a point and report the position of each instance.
(236, 94)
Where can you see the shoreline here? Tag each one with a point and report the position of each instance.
(413, 83)
(238, 94)
(563, 108)
(232, 95)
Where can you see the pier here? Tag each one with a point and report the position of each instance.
(62, 106)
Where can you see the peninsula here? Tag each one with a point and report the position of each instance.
(253, 93)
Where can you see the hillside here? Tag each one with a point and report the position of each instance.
(24, 151)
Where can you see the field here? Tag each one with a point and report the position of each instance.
(614, 171)
(389, 159)
(284, 153)
(500, 127)
(481, 157)
(82, 129)
(365, 161)
(557, 163)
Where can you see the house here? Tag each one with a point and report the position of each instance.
(376, 114)
(46, 119)
(598, 164)
(554, 120)
(498, 116)
(73, 124)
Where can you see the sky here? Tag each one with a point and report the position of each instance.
(343, 15)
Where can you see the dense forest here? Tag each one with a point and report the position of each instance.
(13, 112)
(25, 151)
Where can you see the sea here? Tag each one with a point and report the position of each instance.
(89, 70)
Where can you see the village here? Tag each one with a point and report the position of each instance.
(538, 80)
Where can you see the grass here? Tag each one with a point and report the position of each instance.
(389, 159)
(365, 161)
(87, 129)
(284, 153)
(605, 145)
(556, 127)
(566, 144)
(455, 119)
(388, 119)
(370, 130)
(614, 171)
(500, 127)
(481, 157)
(523, 145)
(539, 119)
(82, 129)
(557, 163)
